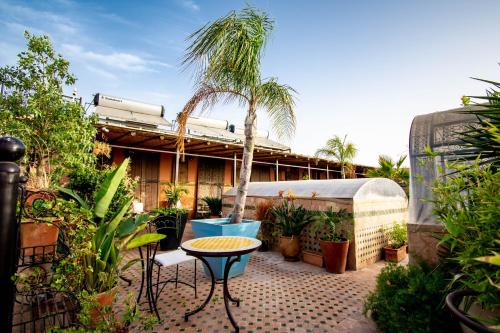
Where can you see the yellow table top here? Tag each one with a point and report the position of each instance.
(221, 244)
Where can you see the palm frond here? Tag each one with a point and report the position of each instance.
(229, 50)
(207, 95)
(278, 101)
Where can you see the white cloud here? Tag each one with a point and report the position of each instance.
(190, 4)
(20, 13)
(101, 72)
(118, 60)
(116, 18)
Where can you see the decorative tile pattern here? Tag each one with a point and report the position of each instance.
(277, 296)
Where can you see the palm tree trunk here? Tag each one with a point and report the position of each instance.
(246, 166)
(342, 171)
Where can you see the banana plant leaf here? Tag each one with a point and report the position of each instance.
(130, 263)
(108, 189)
(69, 192)
(143, 240)
(131, 225)
(118, 217)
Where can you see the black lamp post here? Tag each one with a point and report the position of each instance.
(11, 150)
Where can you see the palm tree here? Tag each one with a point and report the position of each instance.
(341, 150)
(226, 57)
(392, 170)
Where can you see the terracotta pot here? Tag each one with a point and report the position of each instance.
(104, 300)
(39, 237)
(335, 255)
(395, 255)
(290, 247)
(313, 258)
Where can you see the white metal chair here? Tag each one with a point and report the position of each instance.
(152, 260)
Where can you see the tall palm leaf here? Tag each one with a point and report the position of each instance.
(392, 170)
(339, 149)
(483, 137)
(226, 55)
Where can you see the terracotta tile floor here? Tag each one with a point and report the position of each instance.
(277, 296)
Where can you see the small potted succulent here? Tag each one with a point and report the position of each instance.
(335, 240)
(214, 206)
(396, 236)
(291, 219)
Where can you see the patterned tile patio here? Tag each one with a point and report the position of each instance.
(277, 296)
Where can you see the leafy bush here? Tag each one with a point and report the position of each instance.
(396, 235)
(214, 205)
(86, 182)
(333, 223)
(56, 131)
(291, 219)
(468, 206)
(409, 299)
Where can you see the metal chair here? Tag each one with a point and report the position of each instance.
(152, 260)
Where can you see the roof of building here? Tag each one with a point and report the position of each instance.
(360, 188)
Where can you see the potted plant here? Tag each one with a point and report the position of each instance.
(102, 260)
(291, 220)
(173, 194)
(214, 206)
(171, 222)
(39, 228)
(467, 205)
(395, 251)
(264, 213)
(334, 243)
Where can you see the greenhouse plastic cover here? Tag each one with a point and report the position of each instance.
(361, 188)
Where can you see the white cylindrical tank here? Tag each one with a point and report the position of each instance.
(128, 105)
(214, 123)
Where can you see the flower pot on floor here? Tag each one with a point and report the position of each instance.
(313, 258)
(173, 227)
(395, 255)
(104, 307)
(335, 255)
(38, 238)
(265, 245)
(222, 227)
(476, 318)
(290, 247)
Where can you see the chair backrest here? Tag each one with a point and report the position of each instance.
(159, 224)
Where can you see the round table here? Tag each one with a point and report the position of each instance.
(232, 247)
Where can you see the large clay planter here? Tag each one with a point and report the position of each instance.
(222, 227)
(395, 255)
(104, 300)
(335, 255)
(290, 247)
(39, 238)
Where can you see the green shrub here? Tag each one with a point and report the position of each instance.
(291, 219)
(396, 236)
(409, 299)
(86, 182)
(468, 206)
(214, 205)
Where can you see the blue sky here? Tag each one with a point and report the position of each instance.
(361, 68)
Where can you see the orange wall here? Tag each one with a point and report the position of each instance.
(166, 166)
(228, 173)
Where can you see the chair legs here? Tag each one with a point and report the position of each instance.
(153, 290)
